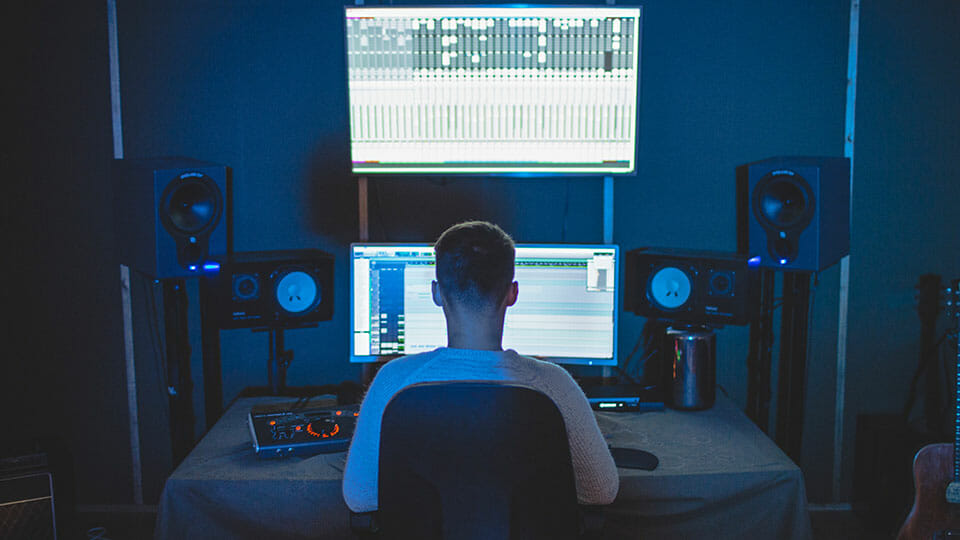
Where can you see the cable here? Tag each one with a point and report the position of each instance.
(626, 362)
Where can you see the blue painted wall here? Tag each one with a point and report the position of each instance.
(260, 87)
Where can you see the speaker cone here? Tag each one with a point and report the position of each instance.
(297, 292)
(783, 201)
(191, 205)
(669, 288)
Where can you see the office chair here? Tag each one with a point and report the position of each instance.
(476, 461)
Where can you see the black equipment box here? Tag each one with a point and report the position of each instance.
(284, 429)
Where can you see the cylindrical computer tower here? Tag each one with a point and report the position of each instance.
(691, 367)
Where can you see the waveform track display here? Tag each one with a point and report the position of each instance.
(493, 89)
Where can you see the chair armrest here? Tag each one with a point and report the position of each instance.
(364, 524)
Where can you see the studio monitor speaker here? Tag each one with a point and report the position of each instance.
(793, 213)
(271, 289)
(170, 214)
(696, 287)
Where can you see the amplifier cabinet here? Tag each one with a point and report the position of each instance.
(26, 506)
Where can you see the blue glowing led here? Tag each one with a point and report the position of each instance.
(211, 267)
(753, 261)
(192, 268)
(783, 261)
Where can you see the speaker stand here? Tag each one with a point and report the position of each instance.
(212, 368)
(279, 361)
(278, 357)
(180, 389)
(792, 375)
(760, 355)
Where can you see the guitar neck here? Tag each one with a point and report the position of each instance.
(953, 304)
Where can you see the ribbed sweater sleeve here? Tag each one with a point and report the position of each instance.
(363, 457)
(593, 467)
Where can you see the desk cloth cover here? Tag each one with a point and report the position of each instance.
(719, 477)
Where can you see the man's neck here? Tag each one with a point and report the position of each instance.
(476, 333)
(474, 342)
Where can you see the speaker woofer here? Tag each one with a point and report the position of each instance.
(670, 288)
(783, 200)
(191, 205)
(297, 292)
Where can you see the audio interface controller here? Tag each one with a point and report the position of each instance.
(280, 430)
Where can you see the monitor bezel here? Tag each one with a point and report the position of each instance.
(501, 174)
(572, 361)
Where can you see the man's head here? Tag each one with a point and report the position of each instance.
(475, 265)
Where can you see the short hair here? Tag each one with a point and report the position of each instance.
(475, 262)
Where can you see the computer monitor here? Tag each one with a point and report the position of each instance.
(493, 89)
(566, 311)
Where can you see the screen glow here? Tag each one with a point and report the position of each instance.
(566, 310)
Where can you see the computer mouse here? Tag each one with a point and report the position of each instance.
(633, 458)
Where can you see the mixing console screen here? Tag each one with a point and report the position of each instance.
(493, 89)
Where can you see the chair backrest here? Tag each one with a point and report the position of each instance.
(475, 461)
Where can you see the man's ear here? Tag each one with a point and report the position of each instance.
(512, 294)
(435, 291)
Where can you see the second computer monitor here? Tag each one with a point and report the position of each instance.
(566, 311)
(508, 89)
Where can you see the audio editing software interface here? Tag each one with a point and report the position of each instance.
(493, 89)
(565, 312)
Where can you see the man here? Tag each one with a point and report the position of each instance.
(474, 287)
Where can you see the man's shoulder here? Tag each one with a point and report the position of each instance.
(411, 362)
(542, 368)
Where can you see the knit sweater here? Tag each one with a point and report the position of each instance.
(594, 471)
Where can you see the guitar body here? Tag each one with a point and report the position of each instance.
(931, 514)
(936, 469)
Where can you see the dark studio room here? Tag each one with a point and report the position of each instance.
(427, 269)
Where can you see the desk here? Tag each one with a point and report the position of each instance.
(719, 477)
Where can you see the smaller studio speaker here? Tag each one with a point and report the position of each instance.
(697, 287)
(170, 214)
(793, 213)
(272, 289)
